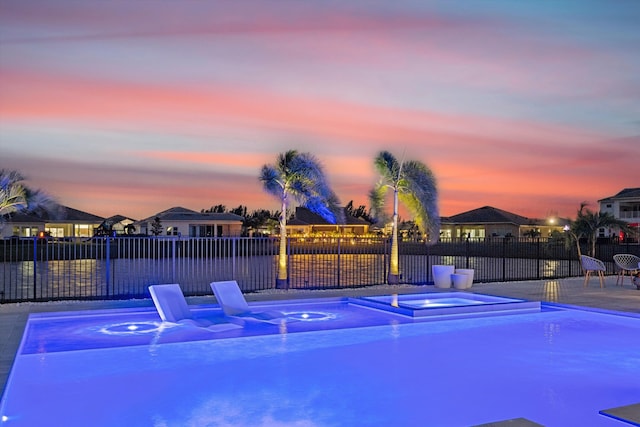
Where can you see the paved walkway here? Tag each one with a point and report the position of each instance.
(13, 317)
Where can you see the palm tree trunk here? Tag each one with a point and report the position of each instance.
(282, 281)
(394, 272)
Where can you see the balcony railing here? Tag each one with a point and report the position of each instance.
(124, 267)
(630, 215)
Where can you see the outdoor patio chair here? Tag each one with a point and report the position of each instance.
(626, 263)
(235, 306)
(172, 307)
(589, 265)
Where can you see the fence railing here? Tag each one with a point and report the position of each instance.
(123, 267)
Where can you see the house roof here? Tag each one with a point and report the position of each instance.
(304, 216)
(183, 214)
(69, 214)
(487, 215)
(63, 214)
(627, 193)
(25, 218)
(118, 218)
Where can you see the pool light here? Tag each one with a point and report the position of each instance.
(311, 316)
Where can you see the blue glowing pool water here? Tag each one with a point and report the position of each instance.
(350, 366)
(449, 304)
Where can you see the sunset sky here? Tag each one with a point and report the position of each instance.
(133, 107)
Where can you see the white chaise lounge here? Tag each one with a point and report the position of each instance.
(235, 306)
(172, 307)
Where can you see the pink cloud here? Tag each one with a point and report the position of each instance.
(55, 97)
(103, 20)
(238, 160)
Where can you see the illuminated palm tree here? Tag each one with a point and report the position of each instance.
(298, 175)
(15, 196)
(414, 185)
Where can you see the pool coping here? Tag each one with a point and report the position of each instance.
(488, 305)
(629, 414)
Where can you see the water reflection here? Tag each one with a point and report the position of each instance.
(551, 291)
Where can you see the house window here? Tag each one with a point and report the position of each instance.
(172, 231)
(206, 231)
(82, 230)
(59, 231)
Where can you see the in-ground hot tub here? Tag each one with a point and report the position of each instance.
(447, 304)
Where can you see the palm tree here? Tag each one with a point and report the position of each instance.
(414, 185)
(15, 196)
(587, 224)
(298, 175)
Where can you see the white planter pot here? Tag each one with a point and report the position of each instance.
(459, 281)
(442, 275)
(467, 272)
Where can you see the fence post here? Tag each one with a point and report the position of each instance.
(108, 256)
(538, 258)
(173, 259)
(338, 272)
(288, 240)
(504, 259)
(233, 256)
(386, 260)
(467, 248)
(428, 262)
(35, 266)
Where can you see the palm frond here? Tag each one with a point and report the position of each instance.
(17, 197)
(388, 167)
(40, 203)
(271, 180)
(10, 177)
(301, 175)
(422, 187)
(417, 190)
(377, 201)
(334, 206)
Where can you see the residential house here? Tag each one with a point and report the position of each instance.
(488, 221)
(179, 221)
(307, 223)
(625, 205)
(118, 225)
(61, 223)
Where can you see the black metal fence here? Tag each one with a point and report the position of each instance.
(123, 267)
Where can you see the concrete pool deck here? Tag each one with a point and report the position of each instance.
(626, 298)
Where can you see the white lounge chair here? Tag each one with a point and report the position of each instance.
(235, 306)
(172, 307)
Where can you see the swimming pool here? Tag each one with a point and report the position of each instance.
(448, 304)
(351, 366)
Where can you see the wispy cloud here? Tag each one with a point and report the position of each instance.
(521, 106)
